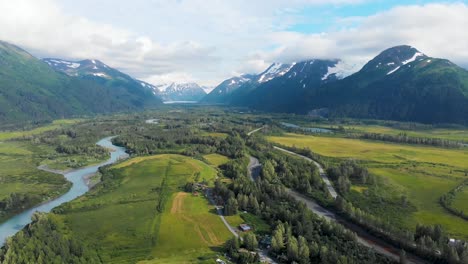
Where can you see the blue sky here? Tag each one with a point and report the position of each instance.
(206, 41)
(323, 18)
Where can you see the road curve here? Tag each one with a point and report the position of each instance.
(255, 130)
(219, 210)
(254, 168)
(324, 176)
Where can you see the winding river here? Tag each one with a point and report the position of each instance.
(79, 187)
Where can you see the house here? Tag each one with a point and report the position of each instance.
(245, 227)
(220, 261)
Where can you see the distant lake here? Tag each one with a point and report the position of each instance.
(180, 102)
(152, 121)
(308, 129)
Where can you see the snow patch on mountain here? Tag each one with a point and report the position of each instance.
(340, 70)
(414, 58)
(69, 64)
(394, 70)
(275, 70)
(100, 74)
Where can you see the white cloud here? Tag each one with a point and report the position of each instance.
(439, 30)
(183, 40)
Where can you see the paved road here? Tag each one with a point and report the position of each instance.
(255, 130)
(254, 168)
(324, 176)
(362, 236)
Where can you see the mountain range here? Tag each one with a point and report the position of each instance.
(401, 83)
(98, 71)
(180, 92)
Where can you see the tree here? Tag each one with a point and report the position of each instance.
(232, 245)
(250, 241)
(304, 252)
(293, 249)
(277, 242)
(268, 170)
(231, 207)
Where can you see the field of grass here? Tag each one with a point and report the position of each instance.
(422, 174)
(19, 175)
(216, 159)
(55, 124)
(142, 215)
(375, 151)
(442, 133)
(461, 200)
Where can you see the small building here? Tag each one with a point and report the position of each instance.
(454, 242)
(220, 261)
(245, 227)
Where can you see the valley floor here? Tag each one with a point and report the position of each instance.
(420, 174)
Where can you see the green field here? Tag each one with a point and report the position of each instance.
(375, 151)
(55, 124)
(461, 200)
(419, 131)
(423, 174)
(141, 213)
(442, 133)
(20, 177)
(216, 159)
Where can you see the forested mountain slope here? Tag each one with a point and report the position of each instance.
(31, 90)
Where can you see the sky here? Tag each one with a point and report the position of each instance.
(207, 41)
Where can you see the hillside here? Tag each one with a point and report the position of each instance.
(221, 94)
(285, 91)
(401, 83)
(31, 90)
(97, 71)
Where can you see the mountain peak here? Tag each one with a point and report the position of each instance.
(391, 60)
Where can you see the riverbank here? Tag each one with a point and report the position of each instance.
(79, 187)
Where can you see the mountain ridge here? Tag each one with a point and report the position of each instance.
(31, 90)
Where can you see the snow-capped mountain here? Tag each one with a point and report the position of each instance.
(181, 92)
(393, 59)
(275, 70)
(234, 87)
(288, 87)
(101, 73)
(81, 68)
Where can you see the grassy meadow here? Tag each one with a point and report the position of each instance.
(422, 174)
(461, 200)
(442, 133)
(216, 159)
(39, 130)
(19, 176)
(140, 214)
